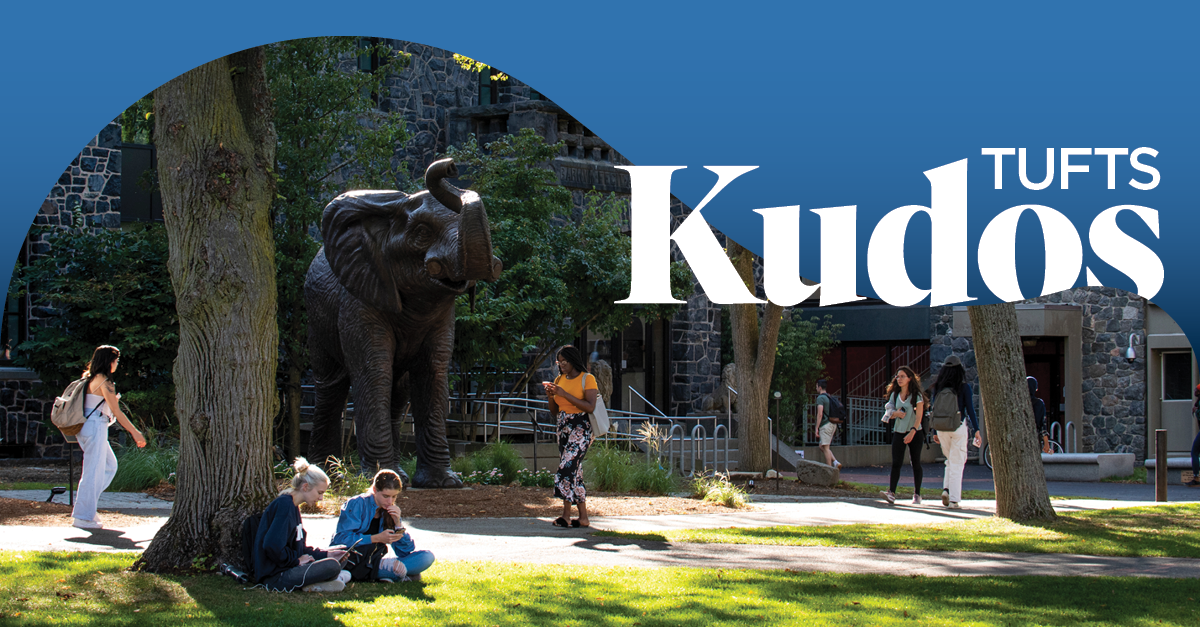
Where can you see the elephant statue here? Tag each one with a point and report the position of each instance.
(380, 296)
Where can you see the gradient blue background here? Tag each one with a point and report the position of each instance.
(839, 106)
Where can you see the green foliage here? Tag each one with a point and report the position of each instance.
(799, 361)
(142, 468)
(105, 287)
(542, 478)
(331, 138)
(610, 468)
(716, 488)
(347, 478)
(154, 408)
(137, 122)
(497, 463)
(555, 267)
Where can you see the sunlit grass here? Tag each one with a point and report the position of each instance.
(94, 589)
(1159, 531)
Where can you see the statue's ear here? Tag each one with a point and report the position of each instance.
(356, 227)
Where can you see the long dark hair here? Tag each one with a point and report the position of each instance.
(101, 362)
(573, 357)
(914, 386)
(949, 377)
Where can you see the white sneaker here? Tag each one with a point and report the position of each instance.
(954, 505)
(916, 499)
(946, 497)
(87, 524)
(333, 585)
(890, 496)
(344, 576)
(837, 464)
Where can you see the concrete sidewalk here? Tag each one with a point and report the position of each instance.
(535, 540)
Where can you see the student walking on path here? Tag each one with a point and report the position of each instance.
(953, 440)
(101, 409)
(906, 409)
(826, 428)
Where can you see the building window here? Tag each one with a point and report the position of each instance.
(15, 328)
(488, 93)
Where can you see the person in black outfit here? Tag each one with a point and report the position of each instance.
(282, 559)
(1039, 415)
(905, 408)
(1195, 482)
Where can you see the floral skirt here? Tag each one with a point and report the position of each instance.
(574, 437)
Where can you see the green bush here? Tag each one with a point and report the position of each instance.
(610, 468)
(346, 478)
(717, 489)
(498, 456)
(142, 468)
(153, 408)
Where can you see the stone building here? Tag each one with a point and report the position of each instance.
(1075, 341)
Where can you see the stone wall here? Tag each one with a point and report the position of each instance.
(91, 186)
(1114, 389)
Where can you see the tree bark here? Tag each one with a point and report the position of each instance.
(754, 355)
(216, 155)
(1008, 415)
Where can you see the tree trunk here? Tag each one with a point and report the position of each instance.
(754, 355)
(1008, 414)
(215, 153)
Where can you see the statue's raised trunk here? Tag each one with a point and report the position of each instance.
(474, 260)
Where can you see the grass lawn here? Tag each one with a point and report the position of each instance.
(94, 589)
(1138, 476)
(33, 485)
(1159, 531)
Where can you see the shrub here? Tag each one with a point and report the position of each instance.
(346, 478)
(142, 468)
(498, 456)
(154, 408)
(610, 468)
(717, 489)
(535, 479)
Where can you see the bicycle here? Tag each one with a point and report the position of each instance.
(1055, 447)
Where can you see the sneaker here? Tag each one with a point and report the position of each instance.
(946, 497)
(1195, 482)
(416, 577)
(87, 524)
(916, 499)
(954, 505)
(837, 464)
(890, 496)
(333, 585)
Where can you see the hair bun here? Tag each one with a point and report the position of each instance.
(300, 465)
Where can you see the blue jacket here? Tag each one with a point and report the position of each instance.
(355, 520)
(281, 539)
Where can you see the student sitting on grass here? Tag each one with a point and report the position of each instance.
(282, 560)
(373, 518)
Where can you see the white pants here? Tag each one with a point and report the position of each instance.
(99, 467)
(954, 447)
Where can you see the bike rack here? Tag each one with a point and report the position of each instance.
(1069, 445)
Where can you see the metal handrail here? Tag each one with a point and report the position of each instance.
(644, 400)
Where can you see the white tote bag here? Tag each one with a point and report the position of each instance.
(599, 415)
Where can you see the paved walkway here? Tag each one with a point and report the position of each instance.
(536, 541)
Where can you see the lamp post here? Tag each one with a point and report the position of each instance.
(778, 418)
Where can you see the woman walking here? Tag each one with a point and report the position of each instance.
(101, 409)
(906, 408)
(952, 377)
(574, 394)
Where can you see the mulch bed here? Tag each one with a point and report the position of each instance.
(477, 501)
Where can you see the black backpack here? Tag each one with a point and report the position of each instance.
(837, 411)
(249, 535)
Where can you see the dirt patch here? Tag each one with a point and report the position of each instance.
(790, 487)
(36, 474)
(34, 514)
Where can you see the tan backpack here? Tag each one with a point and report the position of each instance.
(67, 413)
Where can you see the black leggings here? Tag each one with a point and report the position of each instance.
(914, 454)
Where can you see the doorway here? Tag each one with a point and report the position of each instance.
(1176, 397)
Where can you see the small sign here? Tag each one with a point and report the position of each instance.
(1186, 476)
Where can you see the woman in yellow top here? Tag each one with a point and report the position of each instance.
(573, 394)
